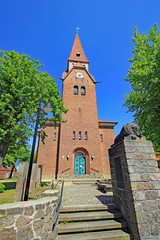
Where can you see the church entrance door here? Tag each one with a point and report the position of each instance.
(79, 163)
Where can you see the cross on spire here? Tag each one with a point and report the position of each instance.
(77, 30)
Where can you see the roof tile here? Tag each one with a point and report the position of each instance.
(77, 48)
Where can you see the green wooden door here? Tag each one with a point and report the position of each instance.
(79, 163)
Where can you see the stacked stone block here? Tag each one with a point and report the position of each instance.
(136, 186)
(32, 220)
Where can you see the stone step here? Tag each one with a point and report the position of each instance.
(80, 181)
(87, 208)
(90, 226)
(88, 216)
(80, 176)
(100, 235)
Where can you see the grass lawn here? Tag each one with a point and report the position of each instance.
(9, 179)
(38, 191)
(8, 195)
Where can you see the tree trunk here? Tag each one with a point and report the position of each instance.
(3, 150)
(11, 172)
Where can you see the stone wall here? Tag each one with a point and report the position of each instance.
(136, 186)
(32, 220)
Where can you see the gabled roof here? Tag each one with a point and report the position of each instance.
(106, 123)
(48, 122)
(100, 120)
(77, 48)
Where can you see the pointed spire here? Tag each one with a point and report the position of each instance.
(77, 53)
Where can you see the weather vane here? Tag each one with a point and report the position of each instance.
(77, 30)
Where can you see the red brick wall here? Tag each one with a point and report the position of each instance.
(5, 172)
(47, 154)
(108, 140)
(82, 116)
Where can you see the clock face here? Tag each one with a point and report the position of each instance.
(79, 75)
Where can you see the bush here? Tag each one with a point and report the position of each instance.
(2, 187)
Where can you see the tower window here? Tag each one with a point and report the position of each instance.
(80, 135)
(83, 91)
(86, 135)
(74, 135)
(54, 138)
(75, 90)
(101, 137)
(78, 54)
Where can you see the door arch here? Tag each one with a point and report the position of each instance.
(79, 163)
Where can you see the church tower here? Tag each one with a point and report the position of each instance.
(79, 136)
(79, 146)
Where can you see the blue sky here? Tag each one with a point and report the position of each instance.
(45, 30)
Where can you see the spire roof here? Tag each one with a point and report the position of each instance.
(77, 53)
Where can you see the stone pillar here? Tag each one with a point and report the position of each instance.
(22, 177)
(136, 186)
(21, 182)
(33, 182)
(39, 175)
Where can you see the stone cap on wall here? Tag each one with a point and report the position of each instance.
(17, 207)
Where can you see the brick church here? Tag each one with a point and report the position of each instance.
(79, 146)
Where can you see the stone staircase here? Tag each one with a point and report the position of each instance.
(91, 222)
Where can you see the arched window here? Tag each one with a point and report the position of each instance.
(54, 137)
(83, 91)
(74, 135)
(101, 137)
(80, 135)
(86, 135)
(75, 90)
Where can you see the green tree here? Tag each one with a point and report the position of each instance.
(22, 85)
(144, 77)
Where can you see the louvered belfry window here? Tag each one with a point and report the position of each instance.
(83, 91)
(75, 90)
